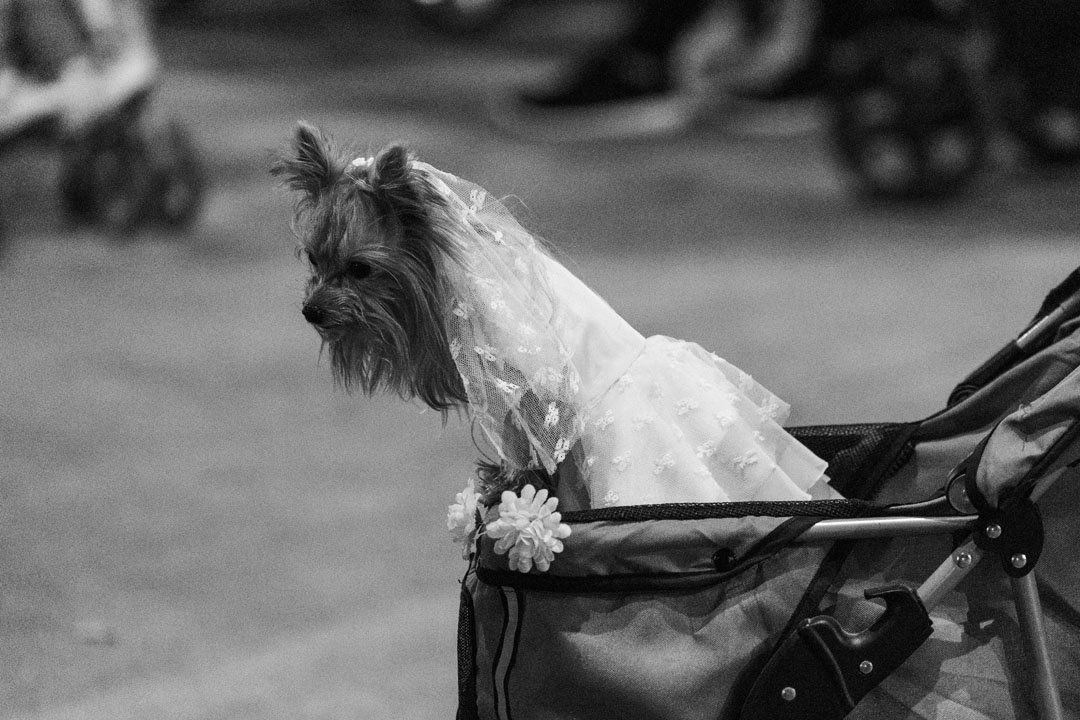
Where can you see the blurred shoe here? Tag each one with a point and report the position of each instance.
(782, 62)
(618, 93)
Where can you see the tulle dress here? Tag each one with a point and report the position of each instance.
(646, 420)
(671, 422)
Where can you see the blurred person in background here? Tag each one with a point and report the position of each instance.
(632, 84)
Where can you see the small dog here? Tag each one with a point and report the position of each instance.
(423, 285)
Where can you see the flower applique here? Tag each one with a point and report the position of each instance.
(662, 463)
(551, 419)
(685, 405)
(640, 422)
(611, 498)
(621, 462)
(476, 199)
(455, 348)
(707, 449)
(742, 462)
(769, 409)
(508, 388)
(461, 519)
(604, 421)
(624, 382)
(562, 447)
(529, 529)
(485, 351)
(461, 309)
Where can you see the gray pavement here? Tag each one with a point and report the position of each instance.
(194, 524)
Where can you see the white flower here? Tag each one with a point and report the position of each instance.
(485, 351)
(461, 519)
(455, 348)
(461, 309)
(750, 457)
(641, 421)
(621, 462)
(611, 498)
(529, 528)
(707, 449)
(662, 463)
(552, 417)
(685, 405)
(768, 411)
(604, 421)
(562, 447)
(476, 199)
(508, 388)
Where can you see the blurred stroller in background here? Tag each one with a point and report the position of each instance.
(923, 93)
(921, 97)
(79, 74)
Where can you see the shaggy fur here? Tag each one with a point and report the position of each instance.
(375, 238)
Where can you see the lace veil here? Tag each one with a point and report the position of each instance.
(533, 345)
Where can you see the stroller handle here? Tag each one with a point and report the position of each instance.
(1034, 337)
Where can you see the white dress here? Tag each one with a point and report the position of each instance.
(671, 422)
(657, 420)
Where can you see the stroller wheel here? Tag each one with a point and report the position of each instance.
(1052, 133)
(106, 182)
(907, 121)
(179, 180)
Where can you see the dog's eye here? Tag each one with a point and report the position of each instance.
(359, 269)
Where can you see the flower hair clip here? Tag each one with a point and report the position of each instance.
(362, 163)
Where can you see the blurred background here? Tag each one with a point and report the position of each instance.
(195, 524)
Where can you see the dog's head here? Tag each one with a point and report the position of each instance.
(369, 230)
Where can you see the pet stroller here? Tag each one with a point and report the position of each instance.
(121, 167)
(922, 94)
(874, 605)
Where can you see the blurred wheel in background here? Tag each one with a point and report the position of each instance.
(179, 180)
(106, 181)
(455, 17)
(908, 121)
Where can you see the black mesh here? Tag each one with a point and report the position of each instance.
(859, 456)
(704, 511)
(466, 648)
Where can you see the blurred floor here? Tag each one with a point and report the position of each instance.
(195, 525)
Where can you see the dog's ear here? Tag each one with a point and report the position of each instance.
(313, 168)
(392, 172)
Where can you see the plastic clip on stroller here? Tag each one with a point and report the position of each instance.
(822, 671)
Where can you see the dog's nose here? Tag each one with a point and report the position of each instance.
(313, 314)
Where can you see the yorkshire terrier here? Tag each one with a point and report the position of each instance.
(424, 286)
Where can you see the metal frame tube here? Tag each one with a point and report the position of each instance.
(1029, 613)
(885, 527)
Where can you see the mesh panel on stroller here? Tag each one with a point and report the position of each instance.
(872, 606)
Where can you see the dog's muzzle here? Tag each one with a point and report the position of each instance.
(314, 314)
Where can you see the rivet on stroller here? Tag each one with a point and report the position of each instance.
(944, 584)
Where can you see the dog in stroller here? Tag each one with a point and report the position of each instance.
(943, 585)
(80, 74)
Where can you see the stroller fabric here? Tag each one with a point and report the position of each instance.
(671, 611)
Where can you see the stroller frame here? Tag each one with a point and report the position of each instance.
(949, 574)
(642, 601)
